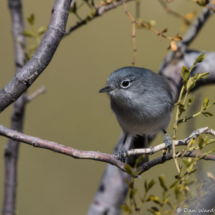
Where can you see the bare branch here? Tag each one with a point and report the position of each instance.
(99, 12)
(166, 8)
(133, 32)
(12, 148)
(75, 153)
(162, 146)
(38, 92)
(22, 81)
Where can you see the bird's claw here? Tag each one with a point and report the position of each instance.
(152, 150)
(168, 142)
(121, 155)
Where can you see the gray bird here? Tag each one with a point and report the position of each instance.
(141, 100)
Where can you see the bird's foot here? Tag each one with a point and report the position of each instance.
(168, 142)
(122, 153)
(152, 150)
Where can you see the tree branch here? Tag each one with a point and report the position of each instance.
(162, 146)
(160, 160)
(75, 153)
(17, 119)
(193, 31)
(99, 12)
(22, 81)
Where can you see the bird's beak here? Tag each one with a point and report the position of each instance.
(106, 89)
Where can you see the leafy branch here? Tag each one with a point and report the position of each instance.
(188, 85)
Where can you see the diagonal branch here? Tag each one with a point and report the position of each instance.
(193, 31)
(166, 8)
(30, 72)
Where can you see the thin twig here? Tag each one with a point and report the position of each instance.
(173, 12)
(133, 32)
(99, 12)
(161, 34)
(38, 92)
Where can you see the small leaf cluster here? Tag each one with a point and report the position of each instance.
(186, 194)
(33, 33)
(188, 84)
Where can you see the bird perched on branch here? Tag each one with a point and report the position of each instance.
(142, 102)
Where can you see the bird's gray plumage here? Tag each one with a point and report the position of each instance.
(143, 107)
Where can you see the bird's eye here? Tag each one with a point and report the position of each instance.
(125, 84)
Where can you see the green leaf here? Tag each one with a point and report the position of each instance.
(200, 141)
(192, 141)
(153, 198)
(203, 75)
(33, 48)
(181, 108)
(154, 211)
(139, 160)
(207, 114)
(42, 30)
(73, 9)
(166, 199)
(173, 184)
(193, 170)
(145, 186)
(28, 33)
(202, 2)
(128, 169)
(200, 58)
(190, 101)
(185, 83)
(151, 184)
(187, 164)
(155, 208)
(128, 182)
(185, 73)
(31, 19)
(205, 104)
(170, 205)
(191, 83)
(125, 208)
(27, 56)
(190, 183)
(162, 182)
(132, 193)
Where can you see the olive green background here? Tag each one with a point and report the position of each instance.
(74, 114)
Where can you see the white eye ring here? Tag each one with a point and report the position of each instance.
(125, 83)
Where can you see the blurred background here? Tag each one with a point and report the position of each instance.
(72, 112)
